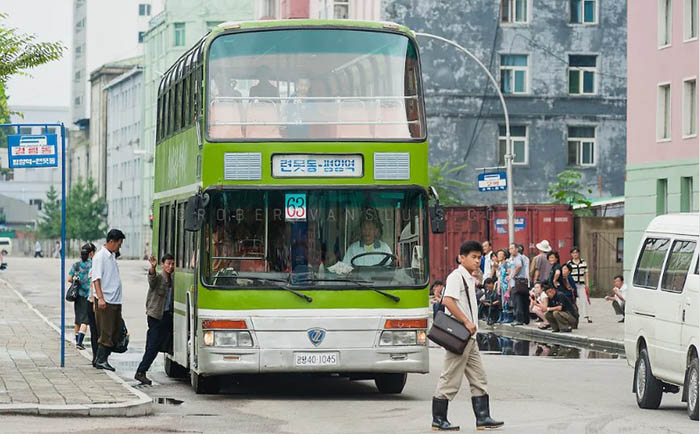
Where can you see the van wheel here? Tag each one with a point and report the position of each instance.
(692, 386)
(390, 383)
(173, 369)
(203, 385)
(649, 389)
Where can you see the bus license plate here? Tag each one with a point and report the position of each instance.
(315, 359)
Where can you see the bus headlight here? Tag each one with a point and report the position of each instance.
(209, 338)
(225, 338)
(398, 338)
(245, 339)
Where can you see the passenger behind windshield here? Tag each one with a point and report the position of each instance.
(264, 89)
(369, 242)
(297, 110)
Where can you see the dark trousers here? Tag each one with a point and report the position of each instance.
(159, 331)
(489, 313)
(94, 333)
(109, 322)
(521, 305)
(618, 308)
(560, 320)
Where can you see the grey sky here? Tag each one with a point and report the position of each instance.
(50, 20)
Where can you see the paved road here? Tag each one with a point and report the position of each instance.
(533, 395)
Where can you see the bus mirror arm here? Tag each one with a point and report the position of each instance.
(437, 213)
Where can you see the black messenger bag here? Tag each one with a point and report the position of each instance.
(448, 332)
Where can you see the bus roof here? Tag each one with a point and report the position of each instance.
(268, 24)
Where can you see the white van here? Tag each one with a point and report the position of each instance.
(6, 244)
(661, 312)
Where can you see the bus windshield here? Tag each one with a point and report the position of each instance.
(316, 238)
(313, 84)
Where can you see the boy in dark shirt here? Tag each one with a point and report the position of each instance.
(490, 303)
(561, 313)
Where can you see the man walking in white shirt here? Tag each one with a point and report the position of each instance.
(460, 300)
(108, 291)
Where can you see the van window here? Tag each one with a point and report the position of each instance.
(650, 262)
(678, 265)
(4, 243)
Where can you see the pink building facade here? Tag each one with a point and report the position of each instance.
(662, 114)
(320, 9)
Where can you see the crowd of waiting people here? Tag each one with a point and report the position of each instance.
(516, 289)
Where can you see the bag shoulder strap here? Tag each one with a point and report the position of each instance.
(469, 300)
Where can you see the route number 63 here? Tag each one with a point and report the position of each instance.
(295, 207)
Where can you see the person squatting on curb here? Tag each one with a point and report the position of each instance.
(460, 285)
(159, 312)
(108, 290)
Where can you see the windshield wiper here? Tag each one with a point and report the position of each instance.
(363, 283)
(283, 287)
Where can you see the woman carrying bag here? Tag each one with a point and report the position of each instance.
(79, 273)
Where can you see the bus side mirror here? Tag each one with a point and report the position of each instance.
(195, 212)
(437, 213)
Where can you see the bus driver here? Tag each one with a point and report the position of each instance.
(370, 231)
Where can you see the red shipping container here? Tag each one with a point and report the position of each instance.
(462, 224)
(534, 223)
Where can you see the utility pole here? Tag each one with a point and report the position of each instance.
(509, 144)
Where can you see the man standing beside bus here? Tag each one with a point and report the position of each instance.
(460, 300)
(159, 312)
(108, 290)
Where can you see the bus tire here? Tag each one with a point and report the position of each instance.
(649, 388)
(203, 385)
(173, 369)
(390, 383)
(692, 388)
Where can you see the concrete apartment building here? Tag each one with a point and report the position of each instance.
(562, 67)
(662, 130)
(124, 108)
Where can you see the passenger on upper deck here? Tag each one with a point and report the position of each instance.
(298, 110)
(369, 242)
(264, 89)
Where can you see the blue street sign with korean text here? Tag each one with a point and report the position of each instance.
(27, 151)
(492, 181)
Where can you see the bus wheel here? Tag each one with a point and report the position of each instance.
(173, 369)
(649, 389)
(390, 383)
(692, 386)
(203, 385)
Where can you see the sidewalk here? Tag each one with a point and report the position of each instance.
(32, 381)
(605, 331)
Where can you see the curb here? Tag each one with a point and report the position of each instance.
(142, 406)
(560, 338)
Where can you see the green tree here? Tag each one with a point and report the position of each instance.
(448, 188)
(50, 221)
(569, 189)
(86, 212)
(21, 51)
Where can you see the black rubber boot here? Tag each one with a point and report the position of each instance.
(482, 413)
(101, 362)
(440, 422)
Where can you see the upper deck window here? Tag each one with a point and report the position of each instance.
(314, 84)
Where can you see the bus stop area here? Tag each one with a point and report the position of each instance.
(32, 381)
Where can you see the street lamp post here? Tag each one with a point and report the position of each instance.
(509, 145)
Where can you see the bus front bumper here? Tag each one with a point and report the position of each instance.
(222, 361)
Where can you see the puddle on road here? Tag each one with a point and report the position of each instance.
(492, 343)
(167, 401)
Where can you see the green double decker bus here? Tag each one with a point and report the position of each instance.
(291, 185)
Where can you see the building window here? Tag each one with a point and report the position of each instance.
(690, 27)
(25, 130)
(269, 9)
(76, 101)
(514, 74)
(690, 108)
(514, 11)
(661, 196)
(583, 11)
(581, 141)
(212, 24)
(620, 251)
(518, 136)
(77, 75)
(341, 9)
(663, 112)
(665, 19)
(141, 37)
(179, 34)
(144, 10)
(582, 71)
(78, 51)
(687, 194)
